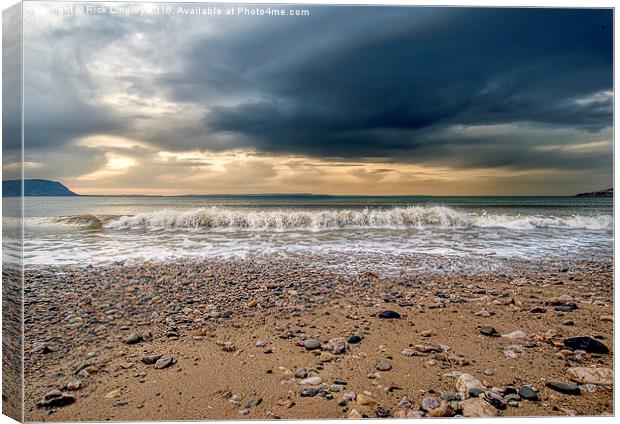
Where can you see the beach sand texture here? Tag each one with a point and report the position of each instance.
(224, 339)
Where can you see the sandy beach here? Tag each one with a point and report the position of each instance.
(274, 337)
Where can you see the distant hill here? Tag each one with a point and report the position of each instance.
(35, 187)
(603, 193)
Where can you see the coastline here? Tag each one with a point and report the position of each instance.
(210, 315)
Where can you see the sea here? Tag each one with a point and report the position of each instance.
(354, 232)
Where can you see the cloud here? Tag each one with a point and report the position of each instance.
(456, 88)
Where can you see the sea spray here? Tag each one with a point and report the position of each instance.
(215, 218)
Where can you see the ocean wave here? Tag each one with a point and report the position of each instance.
(394, 218)
(90, 221)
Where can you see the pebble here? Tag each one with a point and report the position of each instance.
(354, 339)
(311, 381)
(528, 393)
(252, 401)
(429, 403)
(55, 398)
(336, 388)
(518, 334)
(150, 359)
(567, 389)
(477, 407)
(382, 412)
(326, 357)
(568, 322)
(490, 331)
(587, 344)
(312, 344)
(388, 314)
(475, 392)
(566, 308)
(309, 392)
(588, 375)
(354, 415)
(285, 403)
(538, 310)
(363, 399)
(383, 366)
(405, 403)
(164, 362)
(301, 373)
(133, 338)
(467, 382)
(74, 385)
(114, 394)
(260, 343)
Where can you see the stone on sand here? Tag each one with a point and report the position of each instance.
(587, 375)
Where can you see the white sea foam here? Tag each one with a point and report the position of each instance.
(393, 218)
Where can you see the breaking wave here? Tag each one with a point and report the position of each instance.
(92, 222)
(394, 218)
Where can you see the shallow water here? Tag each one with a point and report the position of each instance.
(361, 230)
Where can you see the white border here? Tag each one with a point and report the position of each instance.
(482, 3)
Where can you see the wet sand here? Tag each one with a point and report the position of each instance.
(231, 338)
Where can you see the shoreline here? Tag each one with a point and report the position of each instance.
(233, 329)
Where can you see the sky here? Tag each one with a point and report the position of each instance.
(346, 100)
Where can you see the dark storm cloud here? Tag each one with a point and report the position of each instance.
(364, 83)
(383, 92)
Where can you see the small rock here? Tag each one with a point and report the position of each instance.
(586, 375)
(74, 385)
(429, 403)
(487, 330)
(252, 401)
(477, 407)
(354, 415)
(475, 392)
(309, 392)
(586, 343)
(114, 394)
(518, 334)
(133, 338)
(538, 310)
(55, 398)
(567, 389)
(285, 403)
(150, 359)
(164, 362)
(405, 403)
(466, 382)
(528, 393)
(363, 399)
(388, 314)
(382, 412)
(354, 339)
(311, 381)
(383, 366)
(326, 357)
(312, 344)
(427, 333)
